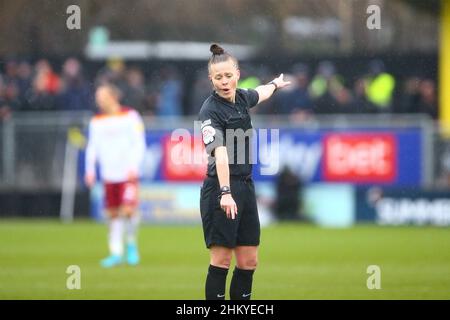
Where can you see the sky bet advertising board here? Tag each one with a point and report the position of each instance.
(385, 157)
(391, 157)
(175, 164)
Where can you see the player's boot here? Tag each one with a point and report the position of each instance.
(111, 261)
(132, 254)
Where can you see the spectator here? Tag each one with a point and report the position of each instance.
(135, 93)
(9, 99)
(280, 104)
(380, 86)
(344, 100)
(427, 101)
(169, 101)
(298, 99)
(410, 95)
(10, 92)
(360, 104)
(46, 85)
(76, 93)
(248, 79)
(5, 110)
(12, 95)
(113, 72)
(46, 79)
(201, 90)
(419, 96)
(324, 88)
(24, 83)
(11, 70)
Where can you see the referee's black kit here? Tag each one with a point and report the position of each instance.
(219, 118)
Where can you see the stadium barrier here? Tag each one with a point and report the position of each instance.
(331, 155)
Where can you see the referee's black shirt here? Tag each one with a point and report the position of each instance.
(222, 119)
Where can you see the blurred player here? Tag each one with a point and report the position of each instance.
(117, 144)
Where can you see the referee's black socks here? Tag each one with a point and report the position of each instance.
(215, 283)
(241, 284)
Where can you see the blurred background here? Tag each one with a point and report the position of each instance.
(363, 130)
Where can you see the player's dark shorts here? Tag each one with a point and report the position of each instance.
(219, 230)
(121, 194)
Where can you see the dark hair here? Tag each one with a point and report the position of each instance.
(113, 89)
(220, 55)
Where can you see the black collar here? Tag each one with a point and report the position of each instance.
(223, 100)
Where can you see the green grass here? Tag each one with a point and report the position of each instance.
(296, 262)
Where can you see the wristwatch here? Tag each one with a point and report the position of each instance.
(276, 86)
(225, 190)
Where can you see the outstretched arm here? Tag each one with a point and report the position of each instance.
(266, 91)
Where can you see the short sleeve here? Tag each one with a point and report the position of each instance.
(252, 97)
(212, 127)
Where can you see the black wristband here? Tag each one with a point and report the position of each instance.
(273, 82)
(224, 190)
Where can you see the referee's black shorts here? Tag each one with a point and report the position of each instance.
(219, 230)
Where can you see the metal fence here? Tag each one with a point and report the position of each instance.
(32, 149)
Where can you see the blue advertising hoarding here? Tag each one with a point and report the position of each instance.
(358, 157)
(390, 157)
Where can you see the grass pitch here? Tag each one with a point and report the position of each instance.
(296, 262)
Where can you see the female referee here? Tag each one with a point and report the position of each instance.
(227, 199)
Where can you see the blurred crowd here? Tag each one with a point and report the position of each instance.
(375, 90)
(166, 92)
(38, 87)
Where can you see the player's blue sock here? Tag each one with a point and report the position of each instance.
(132, 254)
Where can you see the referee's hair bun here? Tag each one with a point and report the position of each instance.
(216, 49)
